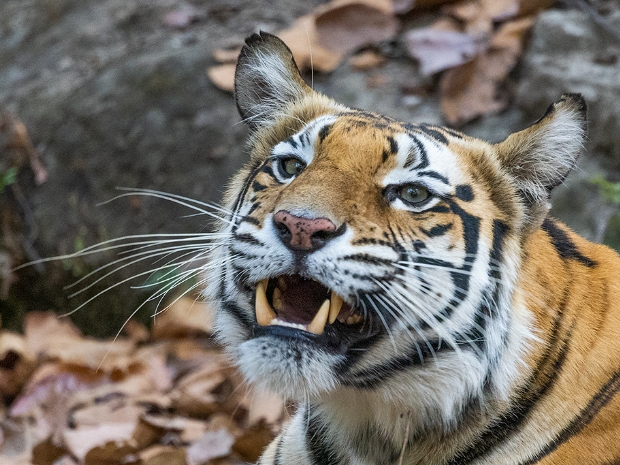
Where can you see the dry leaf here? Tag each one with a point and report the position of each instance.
(211, 445)
(207, 390)
(16, 364)
(184, 317)
(183, 17)
(162, 455)
(223, 76)
(227, 55)
(252, 443)
(437, 48)
(344, 26)
(472, 89)
(302, 39)
(109, 438)
(367, 60)
(56, 338)
(265, 406)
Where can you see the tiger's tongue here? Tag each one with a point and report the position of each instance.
(301, 299)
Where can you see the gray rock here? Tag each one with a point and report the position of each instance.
(569, 52)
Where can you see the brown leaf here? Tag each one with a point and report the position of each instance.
(223, 76)
(265, 406)
(211, 445)
(162, 455)
(302, 39)
(345, 25)
(207, 390)
(46, 452)
(101, 441)
(472, 89)
(367, 60)
(184, 317)
(251, 444)
(55, 338)
(16, 364)
(227, 55)
(438, 48)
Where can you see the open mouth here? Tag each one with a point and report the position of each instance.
(297, 302)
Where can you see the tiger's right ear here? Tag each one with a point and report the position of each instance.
(266, 79)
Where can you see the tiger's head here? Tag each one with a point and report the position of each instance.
(366, 255)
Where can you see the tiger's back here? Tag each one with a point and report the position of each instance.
(404, 284)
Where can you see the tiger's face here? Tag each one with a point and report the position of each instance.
(364, 253)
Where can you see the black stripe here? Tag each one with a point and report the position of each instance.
(602, 398)
(438, 230)
(246, 185)
(434, 133)
(240, 315)
(249, 219)
(370, 240)
(535, 389)
(248, 239)
(324, 132)
(257, 186)
(367, 258)
(421, 152)
(563, 245)
(376, 375)
(291, 141)
(267, 170)
(321, 451)
(435, 175)
(438, 209)
(393, 145)
(253, 208)
(277, 459)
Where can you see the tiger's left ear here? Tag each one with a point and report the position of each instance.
(266, 79)
(540, 157)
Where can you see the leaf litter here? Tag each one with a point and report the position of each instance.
(165, 396)
(472, 46)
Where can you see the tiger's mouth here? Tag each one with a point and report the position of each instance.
(305, 304)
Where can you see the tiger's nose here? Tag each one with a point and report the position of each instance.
(303, 234)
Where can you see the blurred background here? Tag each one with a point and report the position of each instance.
(100, 94)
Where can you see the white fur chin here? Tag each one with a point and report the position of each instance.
(294, 372)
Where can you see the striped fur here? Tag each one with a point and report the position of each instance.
(491, 332)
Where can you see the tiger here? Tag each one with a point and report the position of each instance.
(404, 287)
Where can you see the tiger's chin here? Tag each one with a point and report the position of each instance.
(301, 337)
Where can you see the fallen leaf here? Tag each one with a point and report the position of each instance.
(223, 76)
(163, 455)
(302, 39)
(16, 364)
(438, 48)
(183, 17)
(265, 406)
(367, 60)
(227, 55)
(184, 317)
(211, 445)
(109, 438)
(251, 444)
(472, 89)
(343, 26)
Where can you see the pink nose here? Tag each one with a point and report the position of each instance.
(300, 233)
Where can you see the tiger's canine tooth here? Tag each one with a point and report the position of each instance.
(317, 325)
(334, 307)
(264, 312)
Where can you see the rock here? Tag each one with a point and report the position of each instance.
(569, 52)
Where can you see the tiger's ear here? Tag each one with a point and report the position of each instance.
(541, 156)
(266, 79)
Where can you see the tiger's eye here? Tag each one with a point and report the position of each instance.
(413, 194)
(292, 166)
